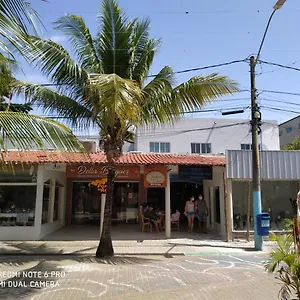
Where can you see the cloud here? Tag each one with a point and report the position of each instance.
(58, 38)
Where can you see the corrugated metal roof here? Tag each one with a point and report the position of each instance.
(274, 164)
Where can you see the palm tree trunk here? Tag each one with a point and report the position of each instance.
(105, 248)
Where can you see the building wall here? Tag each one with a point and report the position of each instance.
(223, 134)
(288, 131)
(209, 189)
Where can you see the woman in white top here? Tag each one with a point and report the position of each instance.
(189, 211)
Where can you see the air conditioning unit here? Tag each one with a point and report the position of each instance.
(90, 146)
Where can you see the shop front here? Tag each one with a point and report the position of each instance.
(280, 182)
(84, 200)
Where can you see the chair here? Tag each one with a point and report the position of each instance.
(145, 222)
(175, 223)
(22, 219)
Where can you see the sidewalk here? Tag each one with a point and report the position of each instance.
(165, 247)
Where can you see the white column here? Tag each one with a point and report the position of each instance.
(168, 208)
(62, 205)
(103, 199)
(51, 200)
(229, 207)
(39, 198)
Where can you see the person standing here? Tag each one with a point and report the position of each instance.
(189, 212)
(201, 213)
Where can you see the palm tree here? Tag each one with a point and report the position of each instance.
(283, 261)
(17, 21)
(108, 86)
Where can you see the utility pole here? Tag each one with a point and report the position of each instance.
(255, 127)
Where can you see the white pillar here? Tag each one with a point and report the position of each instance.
(39, 198)
(229, 207)
(51, 200)
(62, 205)
(168, 208)
(103, 199)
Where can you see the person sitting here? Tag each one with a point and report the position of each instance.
(175, 217)
(154, 218)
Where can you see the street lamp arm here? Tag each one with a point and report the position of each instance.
(265, 33)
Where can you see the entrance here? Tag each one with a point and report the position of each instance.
(86, 203)
(181, 192)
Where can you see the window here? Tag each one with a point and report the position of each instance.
(299, 126)
(248, 147)
(288, 129)
(46, 195)
(201, 148)
(17, 205)
(160, 147)
(280, 133)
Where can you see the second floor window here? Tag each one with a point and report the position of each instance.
(248, 147)
(201, 148)
(160, 147)
(288, 129)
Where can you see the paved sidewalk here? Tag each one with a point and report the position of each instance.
(186, 246)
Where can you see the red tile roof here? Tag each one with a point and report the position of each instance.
(99, 158)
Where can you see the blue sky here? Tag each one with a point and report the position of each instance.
(199, 33)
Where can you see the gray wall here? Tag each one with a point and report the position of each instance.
(287, 137)
(202, 130)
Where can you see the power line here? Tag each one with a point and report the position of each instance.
(176, 72)
(279, 92)
(279, 65)
(280, 109)
(274, 70)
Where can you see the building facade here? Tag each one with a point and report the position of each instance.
(288, 131)
(280, 182)
(205, 136)
(49, 190)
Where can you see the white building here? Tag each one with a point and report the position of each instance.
(205, 136)
(289, 130)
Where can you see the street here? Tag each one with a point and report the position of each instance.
(210, 275)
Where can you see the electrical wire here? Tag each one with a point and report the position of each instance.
(274, 70)
(279, 65)
(176, 72)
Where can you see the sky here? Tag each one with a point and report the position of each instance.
(203, 33)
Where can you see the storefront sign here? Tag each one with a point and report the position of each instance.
(195, 173)
(155, 177)
(96, 171)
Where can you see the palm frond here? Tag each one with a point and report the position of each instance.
(78, 113)
(113, 97)
(20, 12)
(17, 21)
(81, 41)
(200, 90)
(113, 41)
(27, 132)
(55, 62)
(144, 61)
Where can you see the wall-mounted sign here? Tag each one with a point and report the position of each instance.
(194, 173)
(98, 171)
(155, 176)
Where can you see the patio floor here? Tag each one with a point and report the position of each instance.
(123, 232)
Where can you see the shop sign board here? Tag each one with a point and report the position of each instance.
(100, 171)
(155, 176)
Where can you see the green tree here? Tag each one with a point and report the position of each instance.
(283, 261)
(294, 145)
(17, 21)
(108, 86)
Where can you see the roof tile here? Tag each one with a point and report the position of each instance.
(99, 158)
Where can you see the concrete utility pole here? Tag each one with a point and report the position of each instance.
(255, 124)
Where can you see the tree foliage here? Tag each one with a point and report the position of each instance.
(294, 145)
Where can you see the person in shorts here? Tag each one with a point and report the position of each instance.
(189, 212)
